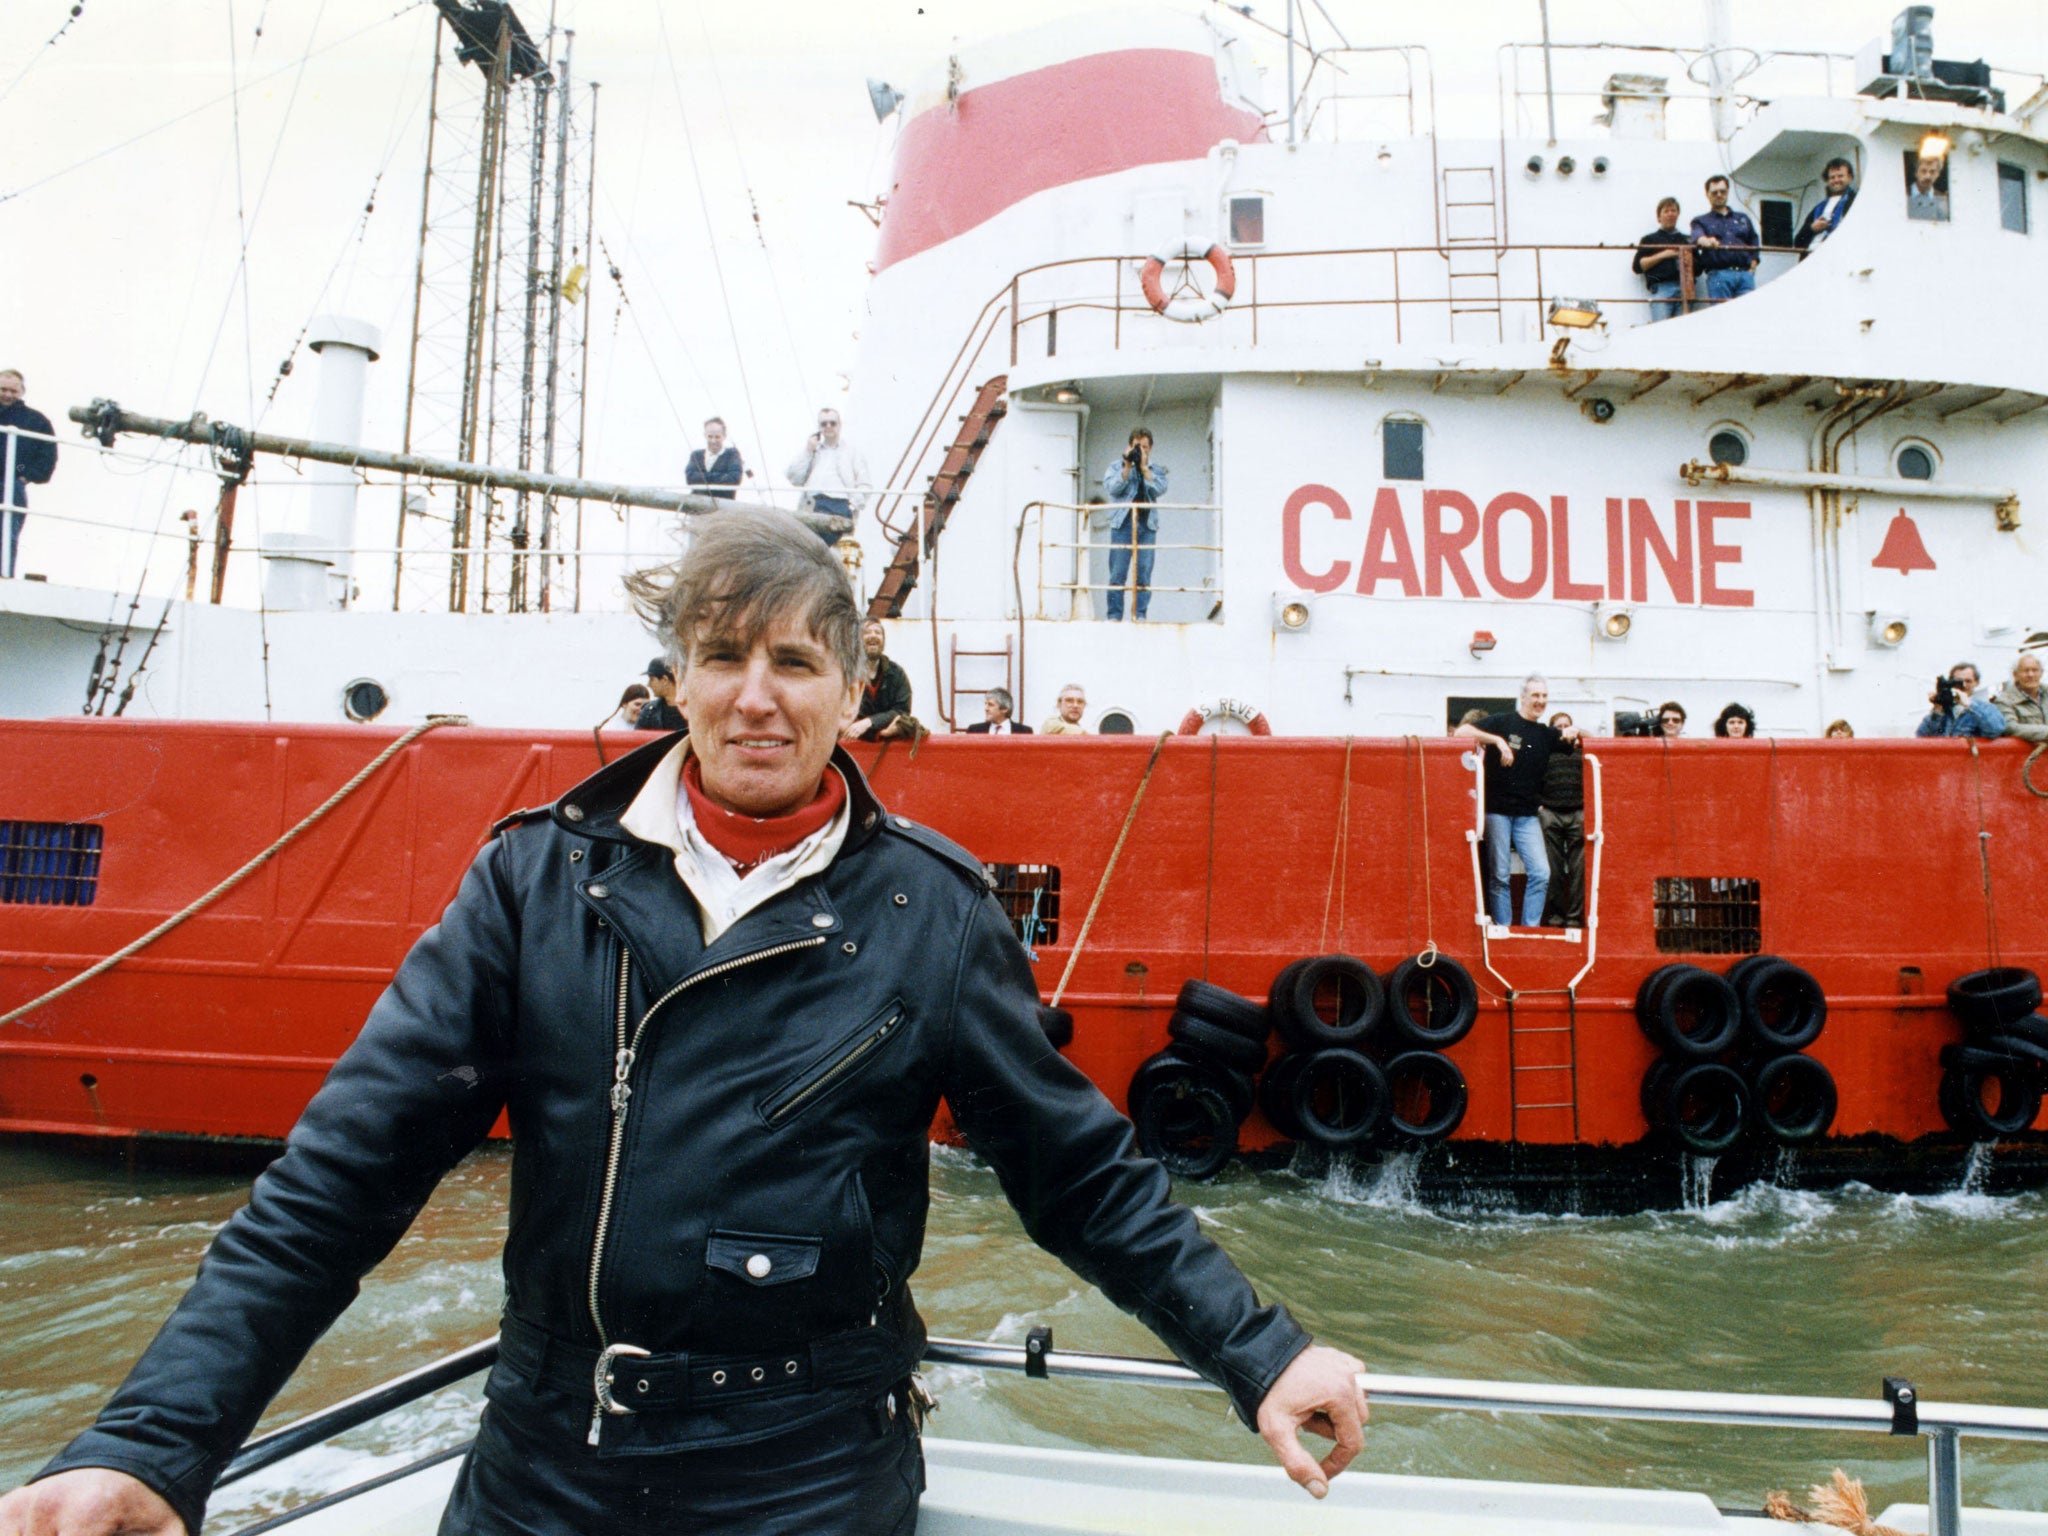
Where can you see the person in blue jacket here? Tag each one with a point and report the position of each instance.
(1136, 484)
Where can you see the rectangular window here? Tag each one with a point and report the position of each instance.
(49, 863)
(1247, 221)
(1401, 450)
(2012, 197)
(1030, 897)
(1776, 220)
(1708, 915)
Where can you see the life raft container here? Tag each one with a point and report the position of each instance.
(1249, 715)
(1191, 308)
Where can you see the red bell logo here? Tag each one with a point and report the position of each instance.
(1903, 551)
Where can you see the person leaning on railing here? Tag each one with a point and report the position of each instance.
(2020, 701)
(1727, 246)
(1660, 258)
(35, 460)
(1961, 714)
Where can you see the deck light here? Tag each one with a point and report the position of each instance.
(1291, 613)
(1613, 621)
(1482, 642)
(1066, 394)
(884, 98)
(1888, 630)
(1934, 147)
(1574, 314)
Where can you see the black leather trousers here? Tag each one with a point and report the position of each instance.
(859, 1474)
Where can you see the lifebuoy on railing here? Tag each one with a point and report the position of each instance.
(1249, 715)
(1192, 308)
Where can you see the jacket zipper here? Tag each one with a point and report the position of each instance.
(625, 1053)
(834, 1071)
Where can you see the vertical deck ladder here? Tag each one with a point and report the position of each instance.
(1543, 1072)
(955, 654)
(1471, 246)
(943, 494)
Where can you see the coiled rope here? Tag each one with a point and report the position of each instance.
(100, 968)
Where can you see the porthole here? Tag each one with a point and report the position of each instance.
(1914, 461)
(364, 699)
(1728, 446)
(1115, 722)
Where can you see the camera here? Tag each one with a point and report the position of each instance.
(1132, 454)
(1944, 694)
(1628, 722)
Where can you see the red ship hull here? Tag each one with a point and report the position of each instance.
(1885, 868)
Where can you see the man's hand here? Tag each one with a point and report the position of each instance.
(92, 1501)
(1570, 733)
(853, 732)
(1318, 1392)
(1707, 240)
(814, 442)
(1507, 753)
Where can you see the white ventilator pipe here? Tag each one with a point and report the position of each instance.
(304, 566)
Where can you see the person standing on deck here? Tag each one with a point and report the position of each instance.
(1520, 745)
(1727, 246)
(34, 460)
(716, 468)
(2020, 701)
(1136, 482)
(708, 1324)
(832, 471)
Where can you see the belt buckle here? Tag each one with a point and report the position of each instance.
(602, 1378)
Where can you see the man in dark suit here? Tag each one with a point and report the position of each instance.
(1827, 215)
(715, 468)
(996, 707)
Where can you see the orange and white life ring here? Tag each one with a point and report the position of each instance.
(1192, 308)
(1250, 716)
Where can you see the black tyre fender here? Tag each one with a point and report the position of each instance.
(1058, 1025)
(1744, 966)
(1656, 1079)
(1985, 999)
(1339, 1098)
(1209, 1041)
(2029, 1056)
(1276, 1090)
(2033, 1029)
(1221, 1006)
(1361, 1001)
(1794, 1099)
(1190, 1127)
(1155, 1070)
(1694, 1015)
(1962, 1099)
(1646, 992)
(1783, 1007)
(1435, 1079)
(1704, 1107)
(1433, 1006)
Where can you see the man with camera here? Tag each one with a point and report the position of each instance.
(1136, 483)
(1955, 712)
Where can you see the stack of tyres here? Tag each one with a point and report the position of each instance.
(1189, 1100)
(1732, 1055)
(1364, 1064)
(1991, 1084)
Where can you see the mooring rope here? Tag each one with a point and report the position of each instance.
(100, 968)
(2027, 772)
(1430, 952)
(1108, 869)
(1338, 874)
(1984, 852)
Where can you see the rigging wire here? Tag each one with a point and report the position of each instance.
(171, 122)
(37, 57)
(654, 360)
(711, 237)
(754, 207)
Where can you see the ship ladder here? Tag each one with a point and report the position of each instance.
(955, 654)
(920, 540)
(1471, 248)
(1543, 1066)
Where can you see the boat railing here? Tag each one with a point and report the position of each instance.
(1068, 542)
(1898, 1412)
(1481, 292)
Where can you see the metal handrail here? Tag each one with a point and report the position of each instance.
(1081, 543)
(1940, 1424)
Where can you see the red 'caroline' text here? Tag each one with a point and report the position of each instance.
(1519, 547)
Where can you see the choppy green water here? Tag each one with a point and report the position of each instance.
(1772, 1291)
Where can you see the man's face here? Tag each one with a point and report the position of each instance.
(10, 388)
(2026, 673)
(714, 439)
(1667, 216)
(1671, 723)
(1926, 174)
(993, 712)
(1072, 702)
(873, 637)
(828, 426)
(1965, 678)
(1534, 697)
(1838, 180)
(763, 718)
(1717, 196)
(662, 687)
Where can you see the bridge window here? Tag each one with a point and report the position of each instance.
(49, 863)
(1400, 449)
(2012, 197)
(1247, 221)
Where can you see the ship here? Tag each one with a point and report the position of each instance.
(1426, 438)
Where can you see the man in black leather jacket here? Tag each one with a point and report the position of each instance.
(721, 1058)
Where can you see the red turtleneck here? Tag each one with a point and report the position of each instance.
(750, 840)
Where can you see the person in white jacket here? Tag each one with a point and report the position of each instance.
(832, 471)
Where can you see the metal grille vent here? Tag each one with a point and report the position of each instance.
(1708, 915)
(49, 863)
(1030, 895)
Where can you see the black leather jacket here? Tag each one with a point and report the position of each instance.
(777, 1101)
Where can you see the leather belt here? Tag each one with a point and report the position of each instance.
(636, 1382)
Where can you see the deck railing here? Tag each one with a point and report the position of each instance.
(1066, 540)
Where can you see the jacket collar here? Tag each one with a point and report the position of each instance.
(593, 808)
